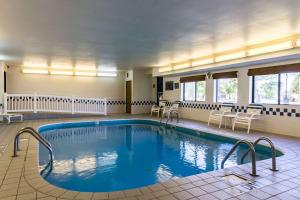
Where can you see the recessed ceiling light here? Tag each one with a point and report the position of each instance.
(231, 56)
(85, 74)
(107, 74)
(165, 69)
(61, 66)
(34, 71)
(202, 62)
(66, 73)
(182, 66)
(270, 48)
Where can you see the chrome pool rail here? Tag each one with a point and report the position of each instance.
(253, 155)
(38, 137)
(274, 168)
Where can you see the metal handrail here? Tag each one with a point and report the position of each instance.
(32, 129)
(37, 136)
(251, 148)
(274, 168)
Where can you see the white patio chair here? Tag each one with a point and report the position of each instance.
(253, 113)
(169, 110)
(218, 115)
(157, 109)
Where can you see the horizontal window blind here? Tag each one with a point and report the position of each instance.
(274, 70)
(192, 78)
(232, 74)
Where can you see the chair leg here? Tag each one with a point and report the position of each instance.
(220, 123)
(233, 125)
(249, 125)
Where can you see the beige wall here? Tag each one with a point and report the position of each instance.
(141, 91)
(111, 88)
(276, 124)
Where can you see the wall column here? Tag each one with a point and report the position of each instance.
(243, 87)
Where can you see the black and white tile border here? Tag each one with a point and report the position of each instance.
(268, 110)
(134, 103)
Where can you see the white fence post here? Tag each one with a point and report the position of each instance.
(5, 103)
(73, 105)
(105, 106)
(34, 103)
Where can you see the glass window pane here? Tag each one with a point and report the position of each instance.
(189, 91)
(200, 91)
(289, 91)
(227, 90)
(266, 89)
(181, 91)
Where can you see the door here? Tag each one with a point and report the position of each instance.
(160, 85)
(128, 96)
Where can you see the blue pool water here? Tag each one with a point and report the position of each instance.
(126, 154)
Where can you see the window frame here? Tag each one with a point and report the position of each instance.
(216, 81)
(183, 91)
(278, 91)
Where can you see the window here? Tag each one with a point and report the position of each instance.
(266, 89)
(189, 91)
(226, 90)
(193, 91)
(280, 88)
(290, 88)
(200, 91)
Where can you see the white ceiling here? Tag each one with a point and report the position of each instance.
(137, 33)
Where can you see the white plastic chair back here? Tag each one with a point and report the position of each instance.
(225, 109)
(175, 106)
(254, 111)
(162, 104)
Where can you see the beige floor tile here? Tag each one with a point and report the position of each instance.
(183, 195)
(100, 196)
(84, 196)
(69, 194)
(28, 196)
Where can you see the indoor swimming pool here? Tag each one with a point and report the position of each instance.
(117, 155)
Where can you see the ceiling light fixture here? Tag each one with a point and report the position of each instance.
(206, 61)
(107, 74)
(230, 56)
(85, 74)
(34, 71)
(35, 65)
(86, 68)
(280, 44)
(182, 66)
(297, 43)
(270, 48)
(165, 69)
(64, 73)
(61, 66)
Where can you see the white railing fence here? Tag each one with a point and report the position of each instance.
(50, 103)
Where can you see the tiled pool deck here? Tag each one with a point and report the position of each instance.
(20, 179)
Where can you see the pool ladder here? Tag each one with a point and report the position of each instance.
(253, 153)
(172, 112)
(39, 138)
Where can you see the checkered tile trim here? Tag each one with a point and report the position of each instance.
(276, 111)
(134, 103)
(142, 103)
(116, 102)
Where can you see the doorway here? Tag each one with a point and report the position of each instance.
(159, 91)
(128, 96)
